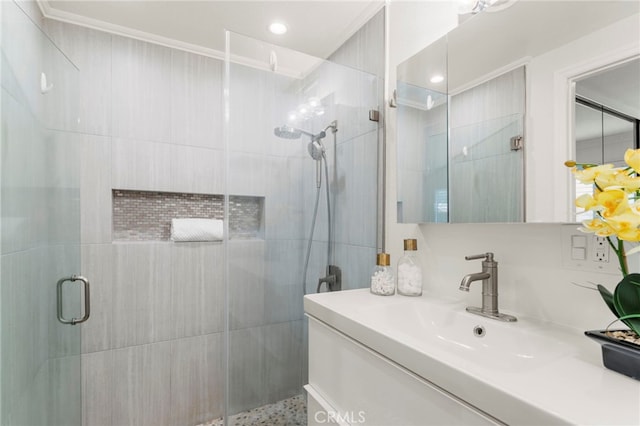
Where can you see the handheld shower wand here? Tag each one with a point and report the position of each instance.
(315, 147)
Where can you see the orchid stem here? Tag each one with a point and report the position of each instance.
(622, 256)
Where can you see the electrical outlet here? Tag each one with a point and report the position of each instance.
(600, 256)
(600, 249)
(585, 252)
(600, 242)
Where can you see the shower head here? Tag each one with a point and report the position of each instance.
(287, 132)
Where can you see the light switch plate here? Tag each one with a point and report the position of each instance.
(579, 241)
(593, 260)
(578, 253)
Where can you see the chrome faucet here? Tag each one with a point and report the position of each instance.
(489, 277)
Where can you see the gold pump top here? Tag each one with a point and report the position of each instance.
(411, 244)
(383, 259)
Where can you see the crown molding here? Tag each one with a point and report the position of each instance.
(356, 25)
(53, 13)
(95, 24)
(83, 21)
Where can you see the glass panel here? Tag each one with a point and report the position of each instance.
(422, 141)
(295, 123)
(39, 227)
(422, 154)
(588, 133)
(618, 134)
(601, 137)
(486, 173)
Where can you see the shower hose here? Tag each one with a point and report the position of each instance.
(313, 223)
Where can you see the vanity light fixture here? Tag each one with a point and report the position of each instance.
(498, 5)
(476, 6)
(277, 28)
(438, 78)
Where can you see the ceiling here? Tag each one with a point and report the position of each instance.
(317, 28)
(490, 41)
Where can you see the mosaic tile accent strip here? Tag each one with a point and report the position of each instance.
(146, 215)
(288, 412)
(245, 217)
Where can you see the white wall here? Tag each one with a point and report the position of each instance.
(550, 112)
(533, 281)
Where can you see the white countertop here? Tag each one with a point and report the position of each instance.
(569, 387)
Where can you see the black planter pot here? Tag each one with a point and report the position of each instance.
(618, 355)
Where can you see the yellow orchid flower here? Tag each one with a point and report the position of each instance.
(587, 202)
(598, 227)
(589, 174)
(626, 226)
(628, 183)
(617, 178)
(608, 177)
(613, 201)
(632, 158)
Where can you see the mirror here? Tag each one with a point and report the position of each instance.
(607, 118)
(422, 137)
(551, 45)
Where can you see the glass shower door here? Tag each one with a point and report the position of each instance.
(39, 228)
(298, 133)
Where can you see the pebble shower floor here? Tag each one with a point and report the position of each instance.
(288, 412)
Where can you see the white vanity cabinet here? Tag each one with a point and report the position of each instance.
(361, 386)
(397, 361)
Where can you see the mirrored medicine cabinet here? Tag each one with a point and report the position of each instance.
(487, 115)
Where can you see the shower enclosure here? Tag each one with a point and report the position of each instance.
(314, 106)
(104, 139)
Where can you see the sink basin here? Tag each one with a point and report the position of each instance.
(524, 372)
(450, 329)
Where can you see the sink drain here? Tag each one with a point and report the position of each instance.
(479, 331)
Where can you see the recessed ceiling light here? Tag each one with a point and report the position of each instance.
(278, 28)
(437, 78)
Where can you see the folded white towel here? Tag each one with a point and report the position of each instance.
(196, 229)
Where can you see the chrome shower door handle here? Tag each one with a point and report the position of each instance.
(87, 300)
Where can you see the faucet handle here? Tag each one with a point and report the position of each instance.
(487, 257)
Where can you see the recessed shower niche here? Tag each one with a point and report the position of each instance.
(146, 215)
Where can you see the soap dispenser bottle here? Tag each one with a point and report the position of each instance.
(409, 270)
(382, 279)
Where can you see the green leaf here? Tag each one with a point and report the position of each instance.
(626, 300)
(607, 296)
